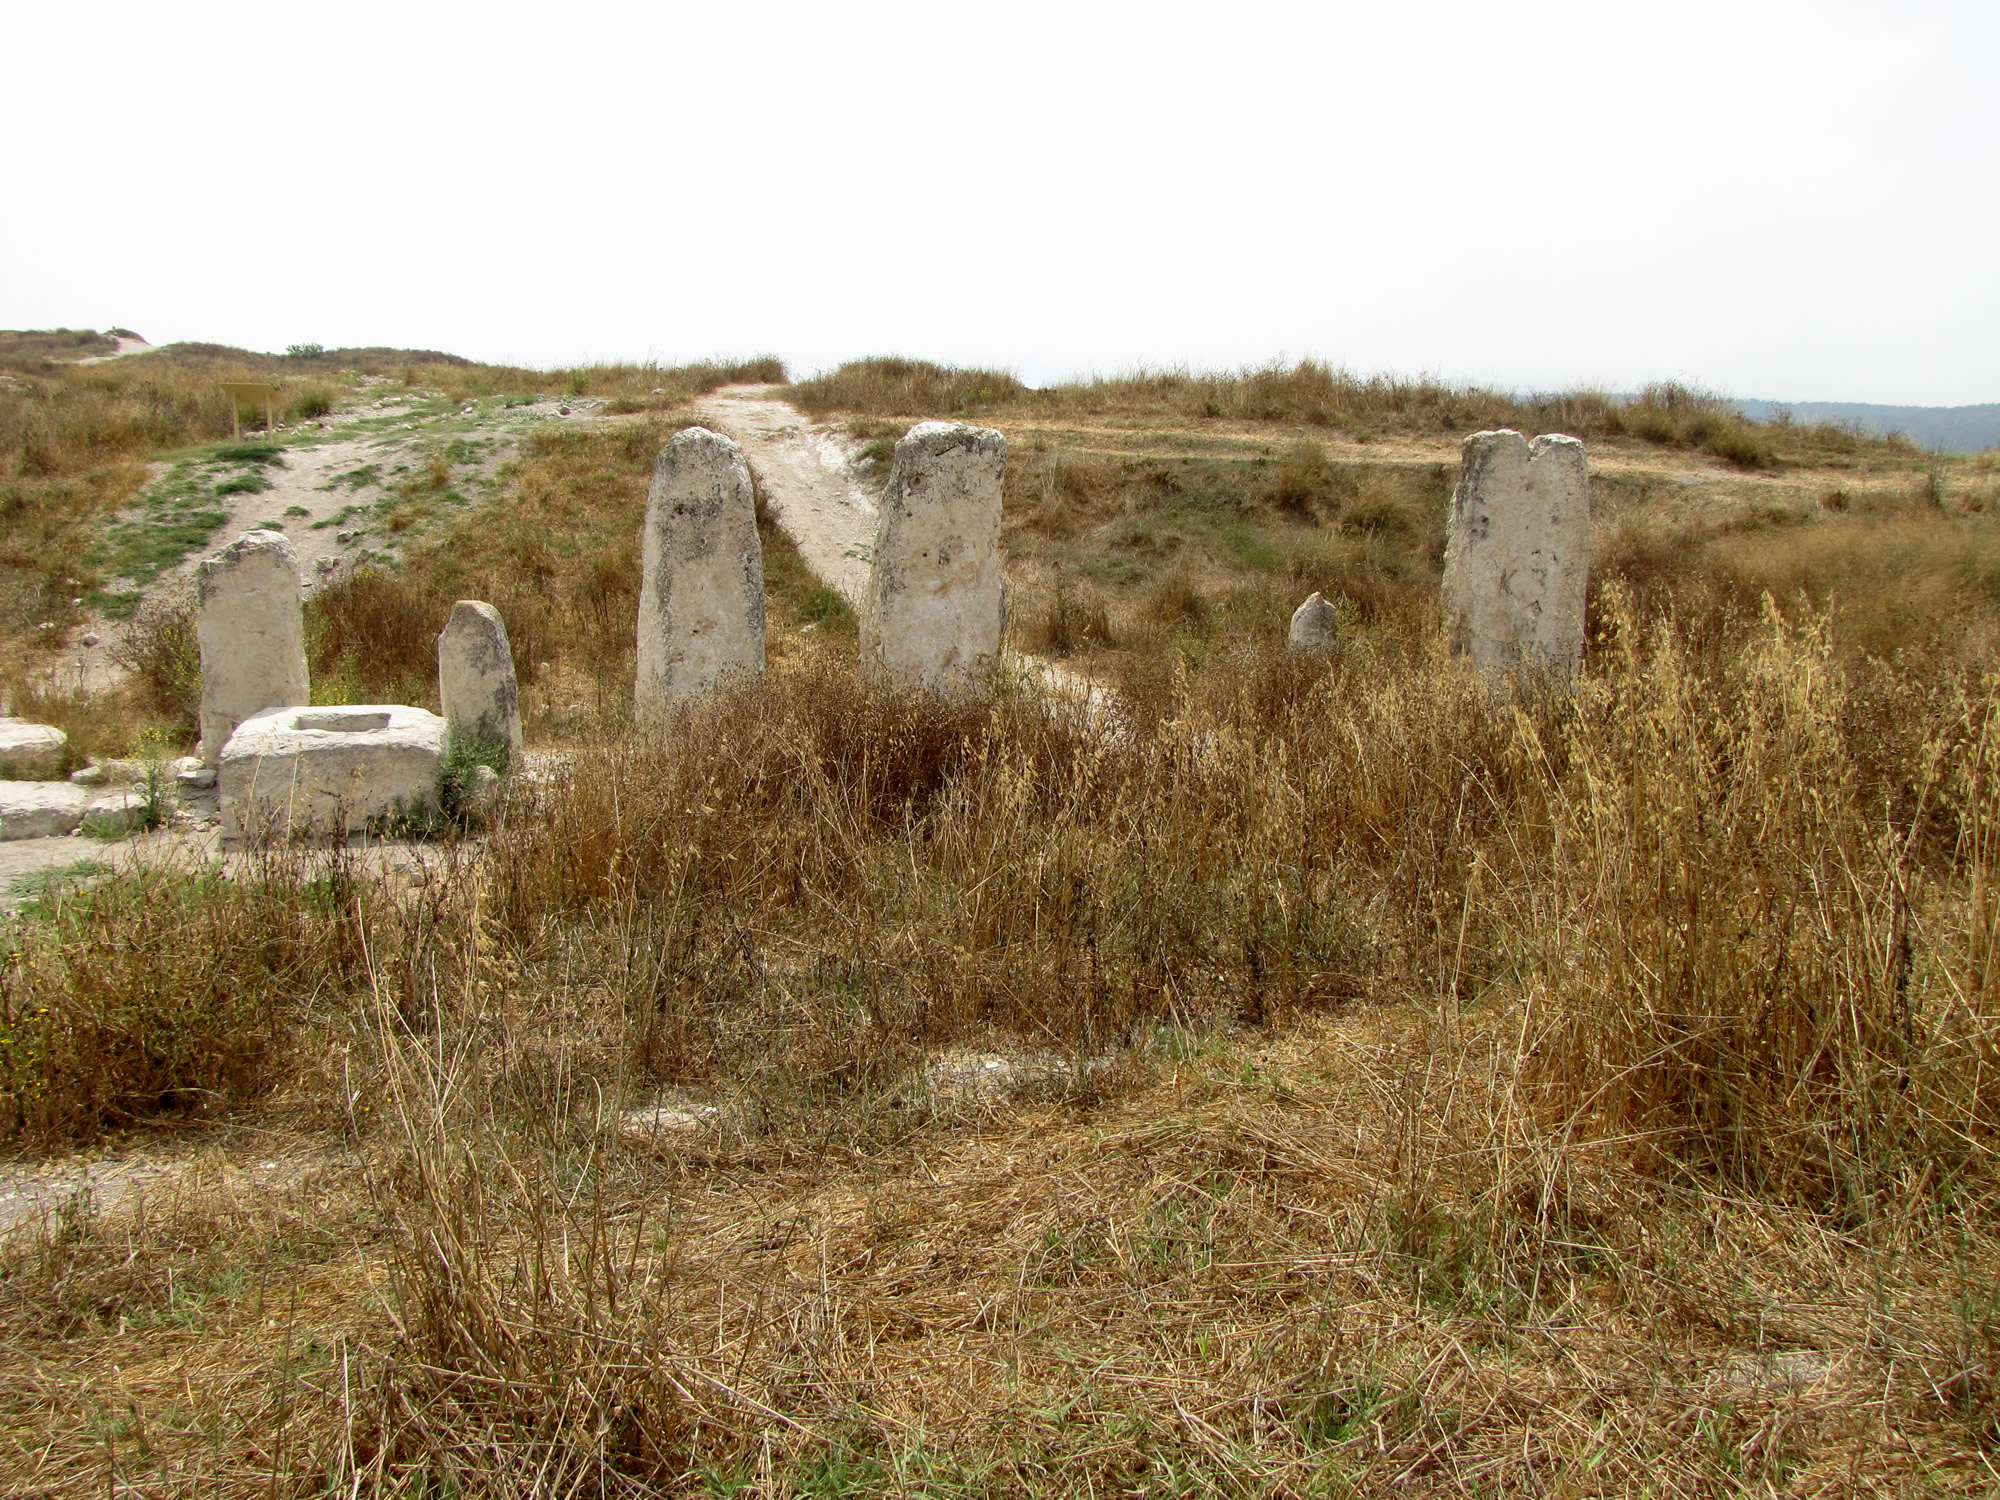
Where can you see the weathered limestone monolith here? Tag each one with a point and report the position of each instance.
(1315, 628)
(701, 591)
(933, 612)
(251, 633)
(476, 687)
(1517, 554)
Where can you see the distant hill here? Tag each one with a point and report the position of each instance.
(1957, 429)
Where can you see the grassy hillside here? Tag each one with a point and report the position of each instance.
(1309, 1081)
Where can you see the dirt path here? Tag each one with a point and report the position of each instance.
(811, 477)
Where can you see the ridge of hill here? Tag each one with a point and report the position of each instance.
(1956, 429)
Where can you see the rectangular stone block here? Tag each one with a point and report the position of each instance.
(1517, 555)
(701, 591)
(934, 611)
(320, 772)
(251, 630)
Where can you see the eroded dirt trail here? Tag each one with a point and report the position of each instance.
(812, 479)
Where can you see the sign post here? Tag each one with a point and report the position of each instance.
(252, 391)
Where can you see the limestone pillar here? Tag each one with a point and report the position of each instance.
(701, 592)
(251, 635)
(933, 611)
(1517, 554)
(1315, 629)
(476, 688)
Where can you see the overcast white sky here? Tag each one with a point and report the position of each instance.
(1796, 201)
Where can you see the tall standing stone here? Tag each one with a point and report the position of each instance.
(1517, 554)
(934, 612)
(1315, 628)
(251, 633)
(701, 592)
(476, 688)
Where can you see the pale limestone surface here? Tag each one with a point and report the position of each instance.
(48, 809)
(933, 612)
(40, 809)
(476, 687)
(31, 752)
(701, 590)
(1315, 629)
(1517, 554)
(252, 635)
(319, 771)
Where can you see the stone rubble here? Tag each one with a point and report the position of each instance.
(934, 610)
(1517, 555)
(701, 592)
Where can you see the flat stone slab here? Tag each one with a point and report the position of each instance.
(41, 809)
(318, 772)
(49, 809)
(31, 752)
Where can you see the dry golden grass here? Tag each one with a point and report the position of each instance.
(1400, 1088)
(1412, 1090)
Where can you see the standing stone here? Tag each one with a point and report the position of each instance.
(1315, 628)
(701, 592)
(476, 688)
(1517, 555)
(933, 612)
(251, 633)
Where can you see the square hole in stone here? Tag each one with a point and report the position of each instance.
(341, 721)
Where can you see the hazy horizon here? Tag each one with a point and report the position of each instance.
(1768, 201)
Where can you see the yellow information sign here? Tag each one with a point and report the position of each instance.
(253, 391)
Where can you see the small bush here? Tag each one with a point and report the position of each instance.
(1069, 623)
(1174, 599)
(906, 387)
(309, 405)
(1303, 481)
(160, 651)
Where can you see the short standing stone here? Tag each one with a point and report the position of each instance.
(701, 589)
(476, 687)
(1315, 628)
(1517, 554)
(933, 612)
(31, 752)
(252, 635)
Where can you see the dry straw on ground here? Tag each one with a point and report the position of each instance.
(1375, 1084)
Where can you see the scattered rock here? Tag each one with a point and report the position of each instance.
(121, 811)
(197, 777)
(327, 564)
(1315, 628)
(31, 752)
(480, 801)
(91, 638)
(675, 1115)
(343, 537)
